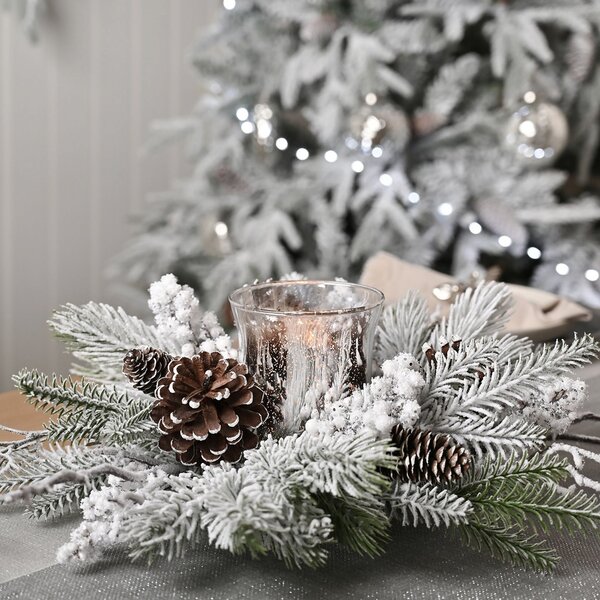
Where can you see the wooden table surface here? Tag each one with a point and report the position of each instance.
(16, 412)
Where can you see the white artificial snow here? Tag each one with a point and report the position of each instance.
(392, 399)
(557, 404)
(179, 317)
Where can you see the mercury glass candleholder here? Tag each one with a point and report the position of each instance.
(301, 338)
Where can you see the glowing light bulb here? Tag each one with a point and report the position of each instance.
(330, 156)
(386, 179)
(592, 275)
(528, 128)
(247, 127)
(529, 97)
(562, 269)
(263, 128)
(534, 253)
(357, 166)
(302, 154)
(413, 198)
(228, 4)
(281, 143)
(505, 241)
(242, 113)
(371, 98)
(377, 152)
(475, 228)
(351, 143)
(221, 229)
(445, 209)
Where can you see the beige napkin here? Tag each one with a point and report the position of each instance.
(537, 314)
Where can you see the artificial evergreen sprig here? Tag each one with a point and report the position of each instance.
(510, 545)
(404, 327)
(426, 504)
(83, 410)
(517, 470)
(511, 500)
(277, 501)
(100, 335)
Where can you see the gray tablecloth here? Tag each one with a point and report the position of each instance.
(418, 564)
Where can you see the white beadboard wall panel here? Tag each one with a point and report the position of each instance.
(30, 235)
(74, 113)
(6, 214)
(113, 162)
(157, 97)
(203, 14)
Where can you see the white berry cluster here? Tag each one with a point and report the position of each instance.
(557, 404)
(179, 317)
(386, 401)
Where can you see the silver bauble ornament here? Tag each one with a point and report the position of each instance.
(319, 27)
(537, 132)
(372, 125)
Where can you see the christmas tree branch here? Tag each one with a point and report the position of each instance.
(510, 545)
(579, 437)
(101, 335)
(586, 417)
(424, 503)
(27, 492)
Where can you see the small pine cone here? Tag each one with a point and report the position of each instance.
(208, 409)
(428, 456)
(145, 366)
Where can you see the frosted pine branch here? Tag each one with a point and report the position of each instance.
(100, 336)
(28, 467)
(404, 327)
(477, 312)
(56, 394)
(517, 469)
(87, 411)
(515, 382)
(447, 374)
(271, 503)
(415, 504)
(496, 438)
(27, 491)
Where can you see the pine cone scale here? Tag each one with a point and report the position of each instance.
(242, 399)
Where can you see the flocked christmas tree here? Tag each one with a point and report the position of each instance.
(462, 135)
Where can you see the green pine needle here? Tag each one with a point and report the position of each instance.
(362, 526)
(510, 545)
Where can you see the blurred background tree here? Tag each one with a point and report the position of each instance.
(457, 134)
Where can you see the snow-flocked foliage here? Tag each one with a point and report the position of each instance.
(333, 480)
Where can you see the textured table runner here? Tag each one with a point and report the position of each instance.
(418, 564)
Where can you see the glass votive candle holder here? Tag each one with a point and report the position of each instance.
(300, 338)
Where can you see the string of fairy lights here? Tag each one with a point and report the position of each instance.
(259, 122)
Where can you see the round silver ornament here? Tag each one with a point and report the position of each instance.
(537, 132)
(372, 125)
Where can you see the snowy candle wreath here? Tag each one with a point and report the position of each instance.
(168, 438)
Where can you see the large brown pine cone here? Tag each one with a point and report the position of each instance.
(145, 366)
(207, 409)
(427, 456)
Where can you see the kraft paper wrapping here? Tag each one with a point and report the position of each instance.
(537, 314)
